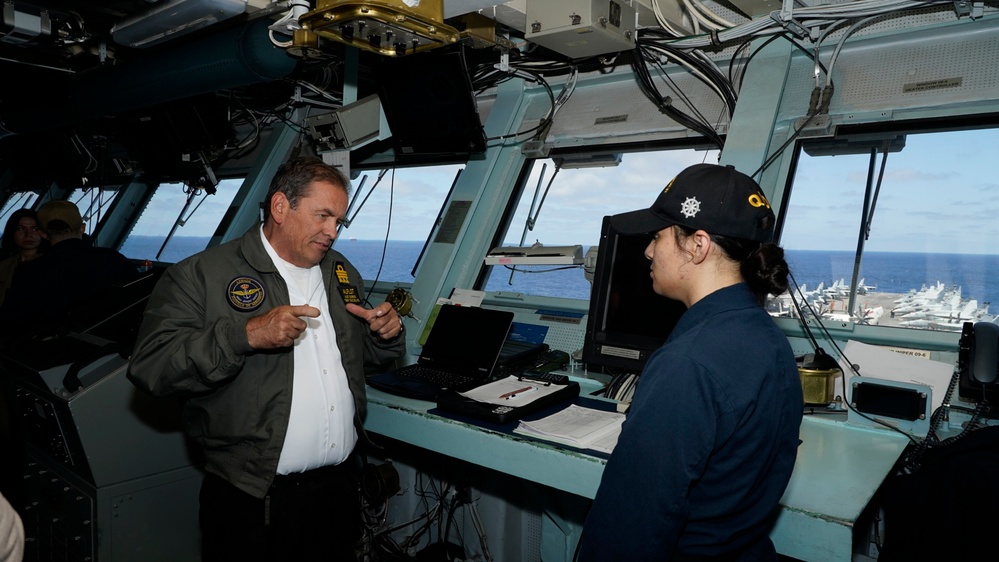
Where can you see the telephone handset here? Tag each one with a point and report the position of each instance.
(983, 353)
(978, 363)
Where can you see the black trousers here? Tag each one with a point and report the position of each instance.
(305, 517)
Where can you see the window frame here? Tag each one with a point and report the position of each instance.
(862, 137)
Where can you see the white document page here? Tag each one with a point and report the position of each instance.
(467, 297)
(511, 391)
(581, 427)
(880, 363)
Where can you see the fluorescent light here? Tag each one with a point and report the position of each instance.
(172, 19)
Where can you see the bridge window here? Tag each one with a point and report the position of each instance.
(17, 201)
(569, 197)
(906, 238)
(178, 222)
(93, 204)
(391, 214)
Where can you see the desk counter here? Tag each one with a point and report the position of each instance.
(545, 463)
(838, 469)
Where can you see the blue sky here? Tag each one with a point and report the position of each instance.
(939, 194)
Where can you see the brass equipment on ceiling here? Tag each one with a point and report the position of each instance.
(386, 27)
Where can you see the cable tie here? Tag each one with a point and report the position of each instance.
(813, 102)
(827, 94)
(790, 24)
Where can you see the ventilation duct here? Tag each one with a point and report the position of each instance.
(173, 19)
(234, 58)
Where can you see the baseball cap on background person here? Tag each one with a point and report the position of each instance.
(59, 216)
(716, 199)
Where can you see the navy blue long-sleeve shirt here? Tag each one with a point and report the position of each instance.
(709, 442)
(67, 275)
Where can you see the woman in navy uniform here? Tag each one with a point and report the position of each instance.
(711, 436)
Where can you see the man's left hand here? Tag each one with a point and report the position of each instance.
(382, 319)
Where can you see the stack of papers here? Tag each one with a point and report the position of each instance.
(579, 427)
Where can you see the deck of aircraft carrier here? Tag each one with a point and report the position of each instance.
(889, 301)
(834, 309)
(871, 300)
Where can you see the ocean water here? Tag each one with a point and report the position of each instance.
(899, 272)
(889, 272)
(148, 247)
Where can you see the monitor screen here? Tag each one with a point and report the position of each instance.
(627, 319)
(429, 104)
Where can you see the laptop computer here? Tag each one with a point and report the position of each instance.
(460, 353)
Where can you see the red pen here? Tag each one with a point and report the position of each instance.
(513, 393)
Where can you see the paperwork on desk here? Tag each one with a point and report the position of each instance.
(882, 363)
(580, 427)
(511, 391)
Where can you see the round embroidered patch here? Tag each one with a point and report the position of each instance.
(245, 294)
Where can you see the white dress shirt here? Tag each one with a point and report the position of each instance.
(321, 427)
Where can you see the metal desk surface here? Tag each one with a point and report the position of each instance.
(838, 469)
(407, 420)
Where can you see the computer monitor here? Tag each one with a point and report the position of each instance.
(627, 320)
(429, 104)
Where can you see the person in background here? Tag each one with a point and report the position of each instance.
(11, 533)
(266, 338)
(710, 439)
(41, 292)
(21, 243)
(68, 273)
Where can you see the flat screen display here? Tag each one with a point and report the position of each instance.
(429, 105)
(627, 320)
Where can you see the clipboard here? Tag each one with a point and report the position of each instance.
(507, 399)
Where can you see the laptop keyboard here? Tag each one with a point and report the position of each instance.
(442, 378)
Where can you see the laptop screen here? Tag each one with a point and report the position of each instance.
(466, 339)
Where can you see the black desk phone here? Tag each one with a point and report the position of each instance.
(978, 363)
(544, 377)
(551, 360)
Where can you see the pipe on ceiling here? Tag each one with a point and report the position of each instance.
(236, 57)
